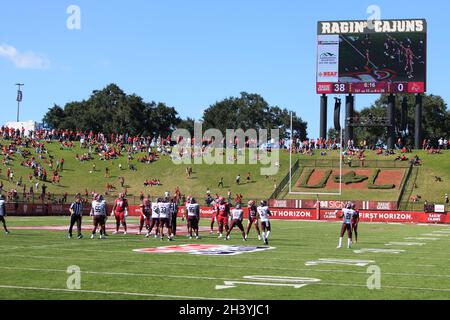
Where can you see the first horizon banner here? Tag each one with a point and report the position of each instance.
(385, 56)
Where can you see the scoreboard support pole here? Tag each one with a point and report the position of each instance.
(323, 116)
(391, 120)
(418, 127)
(349, 111)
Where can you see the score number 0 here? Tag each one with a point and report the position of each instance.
(400, 87)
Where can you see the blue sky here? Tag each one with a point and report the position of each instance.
(188, 54)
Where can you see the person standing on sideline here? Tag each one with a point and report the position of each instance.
(355, 222)
(76, 214)
(173, 215)
(3, 213)
(220, 183)
(230, 197)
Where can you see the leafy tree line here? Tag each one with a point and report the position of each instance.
(435, 120)
(111, 110)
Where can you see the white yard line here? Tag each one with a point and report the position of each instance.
(382, 287)
(303, 260)
(312, 252)
(136, 294)
(214, 278)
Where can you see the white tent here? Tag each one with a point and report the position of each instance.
(27, 125)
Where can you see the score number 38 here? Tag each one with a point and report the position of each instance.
(340, 87)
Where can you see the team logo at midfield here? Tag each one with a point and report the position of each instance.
(205, 249)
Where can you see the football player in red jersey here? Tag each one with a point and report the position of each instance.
(146, 212)
(253, 218)
(222, 212)
(120, 211)
(214, 216)
(355, 222)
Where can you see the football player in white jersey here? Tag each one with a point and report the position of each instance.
(193, 216)
(347, 214)
(237, 215)
(164, 219)
(155, 218)
(3, 213)
(264, 214)
(98, 214)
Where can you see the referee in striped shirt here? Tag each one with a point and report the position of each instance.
(76, 214)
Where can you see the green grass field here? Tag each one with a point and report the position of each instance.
(34, 264)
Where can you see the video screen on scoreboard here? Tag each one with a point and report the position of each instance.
(388, 56)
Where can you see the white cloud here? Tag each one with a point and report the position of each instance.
(26, 60)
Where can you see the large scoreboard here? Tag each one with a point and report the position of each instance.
(381, 56)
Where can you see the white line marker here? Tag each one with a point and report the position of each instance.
(407, 244)
(214, 265)
(276, 281)
(384, 287)
(422, 239)
(434, 235)
(272, 278)
(234, 284)
(391, 251)
(346, 262)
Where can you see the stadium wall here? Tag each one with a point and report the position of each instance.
(383, 216)
(311, 204)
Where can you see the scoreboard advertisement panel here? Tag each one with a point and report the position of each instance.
(383, 56)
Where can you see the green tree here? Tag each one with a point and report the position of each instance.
(435, 119)
(187, 124)
(251, 111)
(111, 110)
(54, 117)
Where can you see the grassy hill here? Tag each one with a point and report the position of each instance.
(77, 176)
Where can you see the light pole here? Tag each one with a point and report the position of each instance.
(19, 98)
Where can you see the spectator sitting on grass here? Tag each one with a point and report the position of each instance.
(401, 158)
(416, 161)
(152, 182)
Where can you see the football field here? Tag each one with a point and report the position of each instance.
(390, 261)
